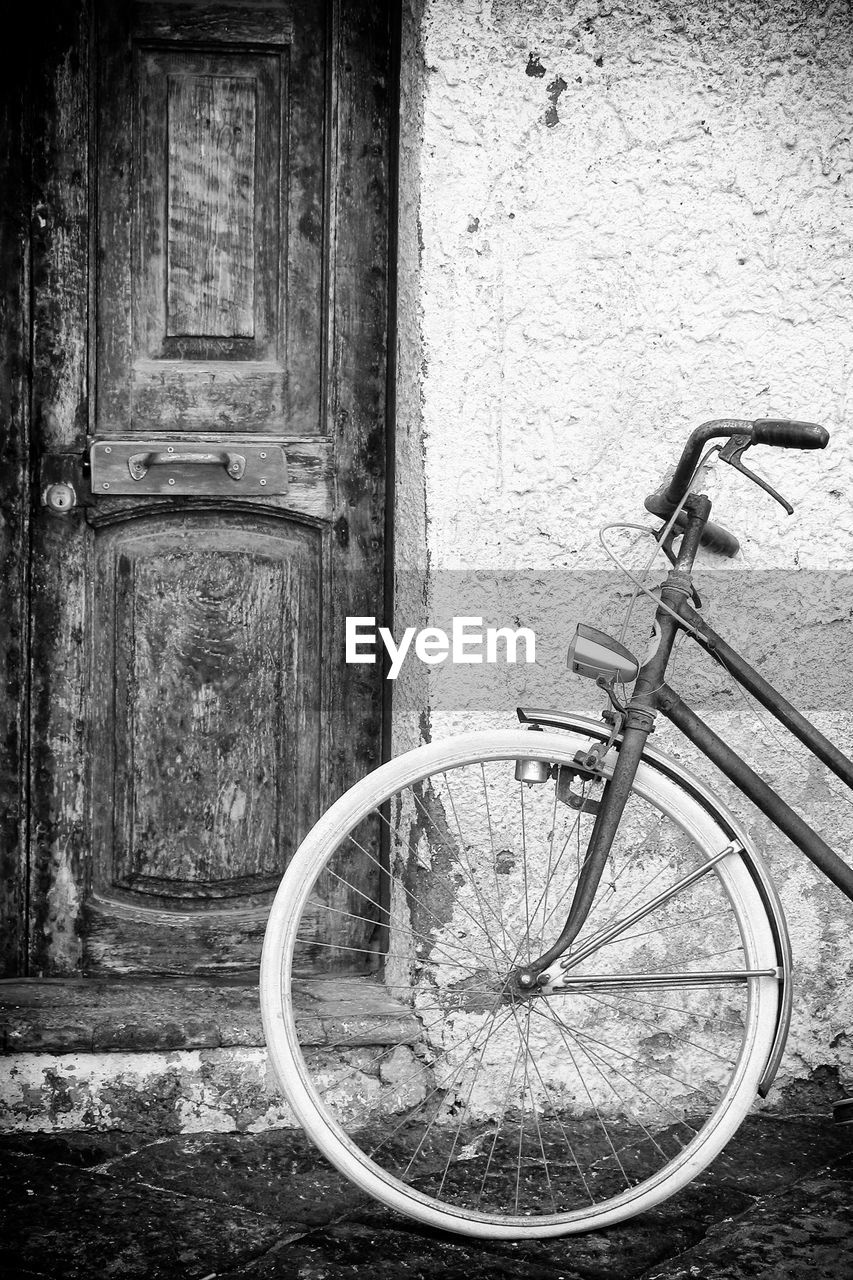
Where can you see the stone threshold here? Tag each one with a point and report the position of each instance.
(137, 1015)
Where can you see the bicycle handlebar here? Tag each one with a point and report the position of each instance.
(783, 433)
(786, 434)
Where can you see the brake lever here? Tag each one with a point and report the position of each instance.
(732, 451)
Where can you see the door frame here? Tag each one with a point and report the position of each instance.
(48, 220)
(16, 111)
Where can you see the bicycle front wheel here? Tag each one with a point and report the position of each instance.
(510, 1115)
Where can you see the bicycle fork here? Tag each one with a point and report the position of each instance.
(638, 724)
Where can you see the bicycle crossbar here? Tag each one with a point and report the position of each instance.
(763, 692)
(757, 790)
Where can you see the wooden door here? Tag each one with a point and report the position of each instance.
(210, 284)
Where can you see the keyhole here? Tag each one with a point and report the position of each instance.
(60, 497)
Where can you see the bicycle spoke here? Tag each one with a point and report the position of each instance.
(645, 1004)
(524, 870)
(472, 876)
(376, 862)
(672, 1034)
(548, 871)
(347, 948)
(649, 1066)
(619, 926)
(434, 1092)
(535, 1009)
(416, 1070)
(521, 1118)
(564, 1031)
(502, 1106)
(412, 933)
(674, 924)
(499, 1126)
(574, 829)
(591, 1058)
(713, 955)
(419, 805)
(659, 1103)
(464, 1111)
(626, 867)
(415, 899)
(507, 948)
(529, 1056)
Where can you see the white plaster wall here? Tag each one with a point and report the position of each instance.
(617, 221)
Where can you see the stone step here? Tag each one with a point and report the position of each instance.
(161, 1056)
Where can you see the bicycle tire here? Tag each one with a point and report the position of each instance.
(458, 1133)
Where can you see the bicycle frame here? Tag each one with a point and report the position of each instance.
(652, 695)
(738, 771)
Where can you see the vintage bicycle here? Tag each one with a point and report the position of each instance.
(588, 952)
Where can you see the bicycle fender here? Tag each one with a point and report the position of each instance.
(550, 718)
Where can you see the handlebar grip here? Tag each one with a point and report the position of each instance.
(719, 539)
(714, 535)
(785, 434)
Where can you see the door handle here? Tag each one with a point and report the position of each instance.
(193, 468)
(138, 464)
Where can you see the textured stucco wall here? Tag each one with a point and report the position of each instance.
(617, 221)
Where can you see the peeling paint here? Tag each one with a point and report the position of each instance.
(202, 1091)
(557, 87)
(677, 249)
(63, 906)
(223, 1091)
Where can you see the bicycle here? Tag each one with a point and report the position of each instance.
(560, 1070)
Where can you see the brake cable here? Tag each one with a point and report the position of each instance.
(661, 537)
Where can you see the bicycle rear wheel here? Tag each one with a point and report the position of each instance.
(509, 1116)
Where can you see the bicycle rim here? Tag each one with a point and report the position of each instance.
(506, 1116)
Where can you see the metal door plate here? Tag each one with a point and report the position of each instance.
(194, 468)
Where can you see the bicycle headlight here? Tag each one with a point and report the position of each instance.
(593, 653)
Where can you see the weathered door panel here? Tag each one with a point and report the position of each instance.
(213, 264)
(212, 219)
(206, 698)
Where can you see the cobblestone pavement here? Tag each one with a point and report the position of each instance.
(778, 1205)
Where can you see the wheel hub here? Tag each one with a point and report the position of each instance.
(521, 984)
